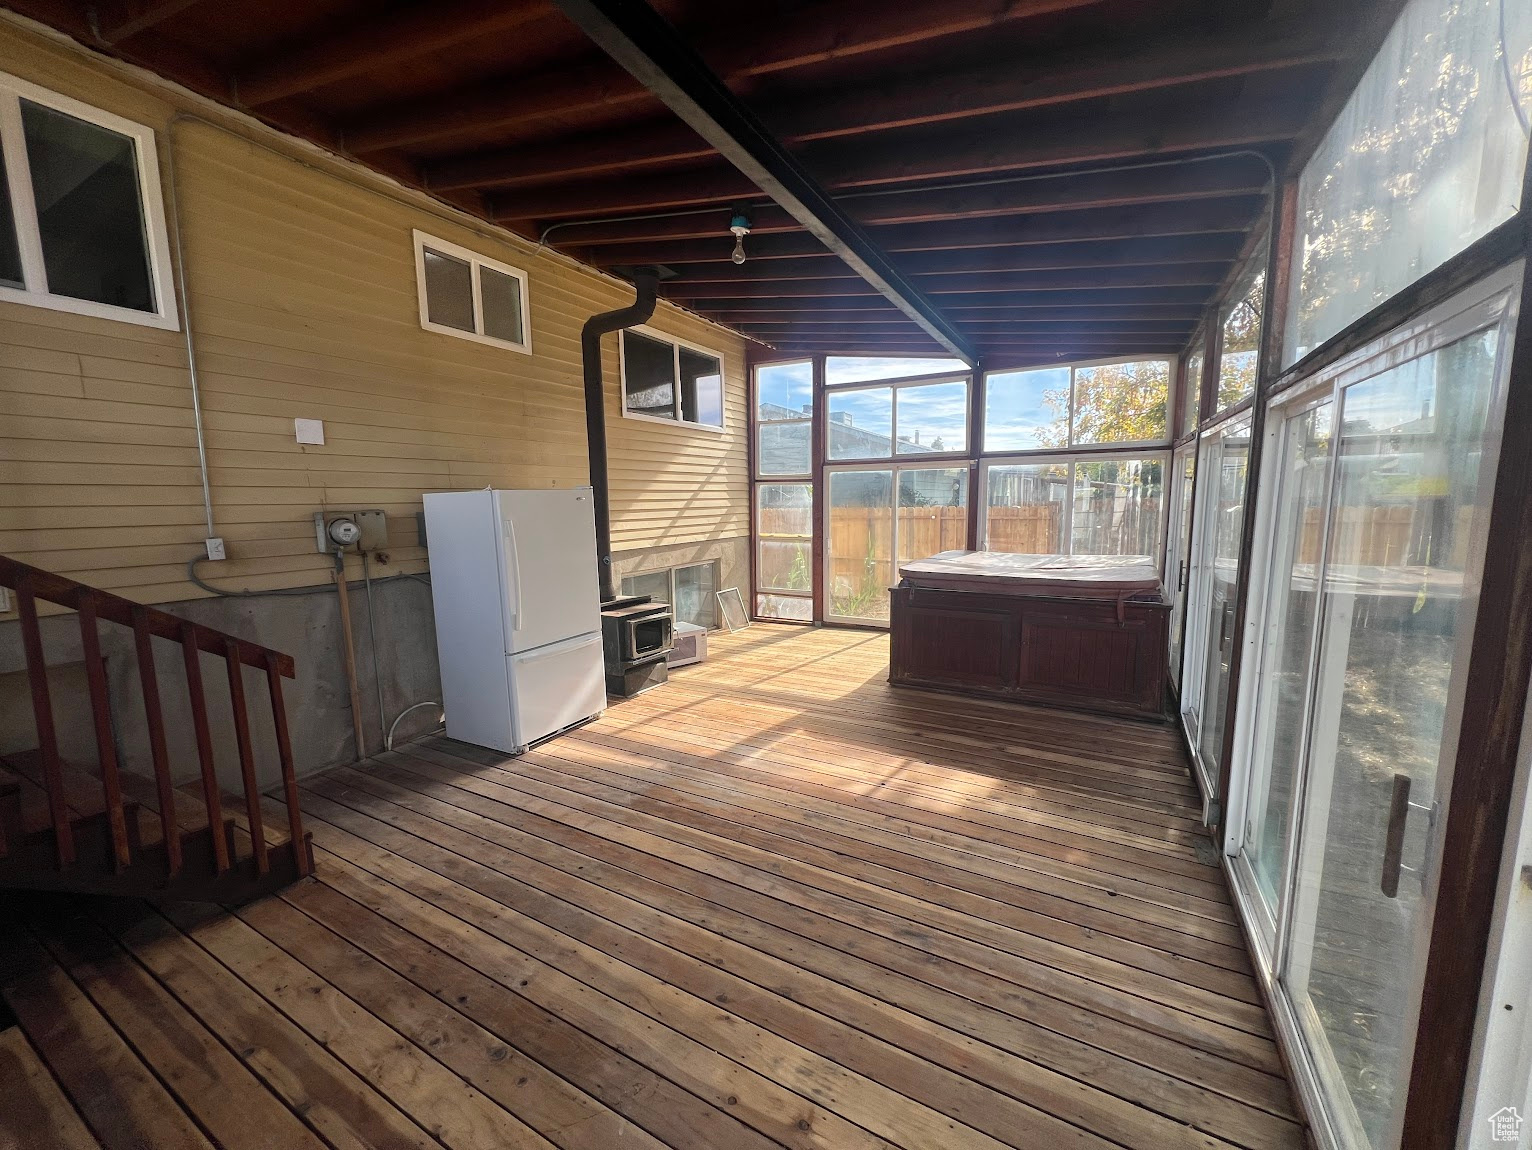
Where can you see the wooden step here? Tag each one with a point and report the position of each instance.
(29, 860)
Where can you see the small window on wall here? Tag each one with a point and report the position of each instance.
(82, 228)
(1240, 345)
(663, 378)
(466, 295)
(690, 592)
(1084, 404)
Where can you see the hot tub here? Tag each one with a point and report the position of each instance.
(1087, 632)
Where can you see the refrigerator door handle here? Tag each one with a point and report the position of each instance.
(510, 530)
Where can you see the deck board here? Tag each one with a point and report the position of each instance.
(775, 903)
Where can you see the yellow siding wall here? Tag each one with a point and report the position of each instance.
(303, 303)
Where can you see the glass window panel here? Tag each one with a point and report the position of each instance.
(1287, 635)
(1426, 156)
(785, 607)
(1026, 410)
(696, 601)
(1223, 519)
(648, 375)
(89, 215)
(1121, 402)
(501, 299)
(1397, 608)
(859, 568)
(10, 250)
(449, 290)
(783, 448)
(933, 511)
(1026, 505)
(865, 368)
(1241, 340)
(784, 524)
(784, 391)
(701, 388)
(1117, 507)
(933, 417)
(1184, 472)
(861, 423)
(655, 584)
(1191, 407)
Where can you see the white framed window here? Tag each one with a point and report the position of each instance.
(471, 296)
(670, 380)
(690, 591)
(82, 221)
(1116, 401)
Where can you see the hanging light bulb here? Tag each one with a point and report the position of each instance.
(740, 226)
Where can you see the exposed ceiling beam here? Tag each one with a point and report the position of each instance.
(811, 35)
(1003, 300)
(1223, 246)
(911, 101)
(114, 26)
(1070, 279)
(1068, 348)
(928, 156)
(817, 317)
(641, 41)
(982, 329)
(1211, 179)
(1126, 224)
(375, 43)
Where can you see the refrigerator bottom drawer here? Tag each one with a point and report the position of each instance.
(555, 687)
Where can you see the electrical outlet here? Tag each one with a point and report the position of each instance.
(374, 530)
(5, 600)
(215, 548)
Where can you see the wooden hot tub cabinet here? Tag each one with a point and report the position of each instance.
(1054, 649)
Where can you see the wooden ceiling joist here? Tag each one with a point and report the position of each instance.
(637, 38)
(1003, 300)
(1126, 224)
(1221, 247)
(1069, 279)
(371, 44)
(967, 317)
(122, 22)
(798, 39)
(1232, 176)
(931, 156)
(914, 101)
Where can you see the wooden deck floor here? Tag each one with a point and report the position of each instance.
(775, 903)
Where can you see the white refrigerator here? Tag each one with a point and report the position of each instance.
(518, 613)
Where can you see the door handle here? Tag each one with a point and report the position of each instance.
(1399, 809)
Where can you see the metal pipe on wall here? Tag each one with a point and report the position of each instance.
(645, 283)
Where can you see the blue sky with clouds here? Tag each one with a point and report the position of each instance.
(1015, 411)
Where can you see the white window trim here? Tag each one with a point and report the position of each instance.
(475, 261)
(23, 207)
(676, 344)
(1107, 445)
(1071, 459)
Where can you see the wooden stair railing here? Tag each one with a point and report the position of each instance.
(92, 606)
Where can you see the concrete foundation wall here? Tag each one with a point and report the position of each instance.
(304, 625)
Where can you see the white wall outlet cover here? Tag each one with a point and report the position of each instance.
(309, 430)
(215, 547)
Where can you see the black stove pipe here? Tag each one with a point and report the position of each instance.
(639, 311)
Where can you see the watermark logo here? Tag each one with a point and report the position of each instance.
(1505, 1125)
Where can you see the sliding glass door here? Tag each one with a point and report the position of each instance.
(1379, 484)
(1220, 510)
